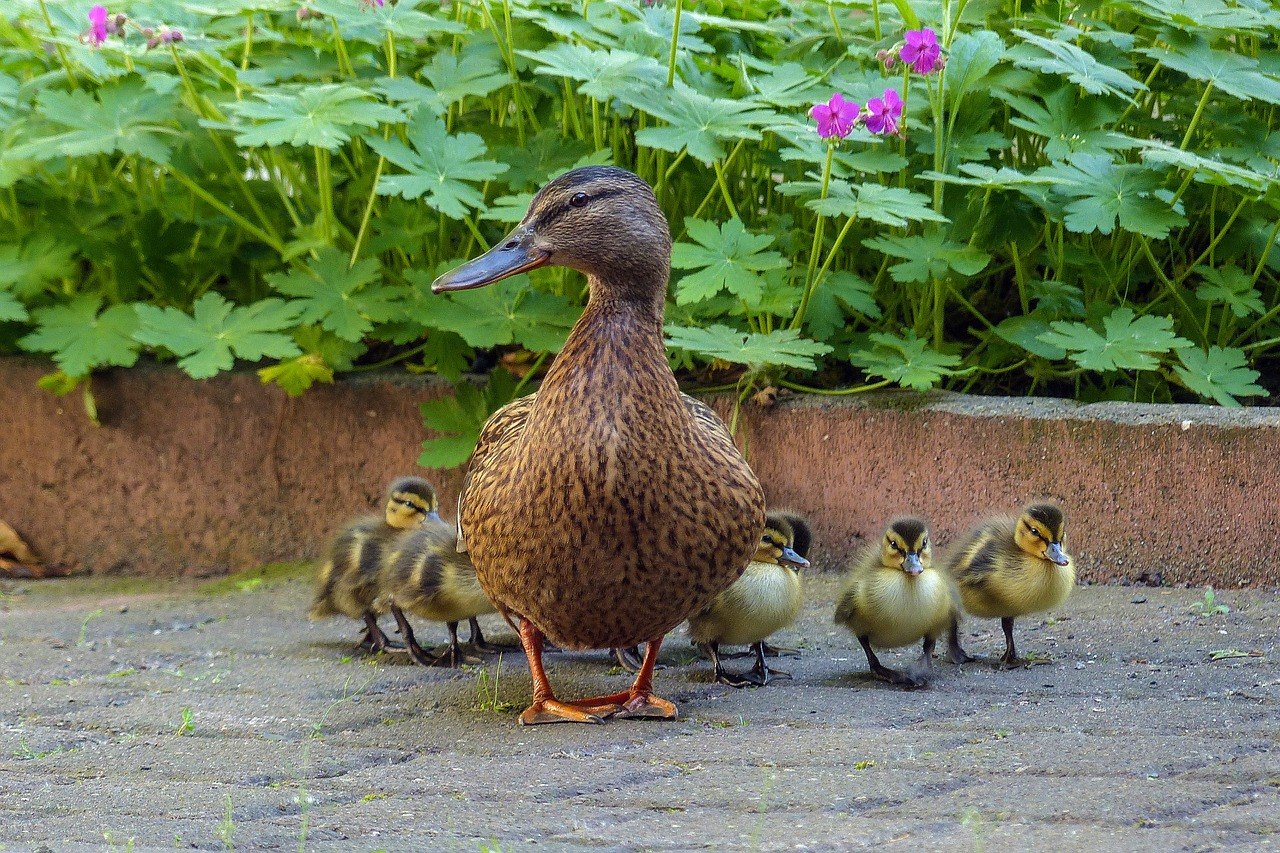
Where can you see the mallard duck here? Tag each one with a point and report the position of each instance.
(423, 573)
(767, 598)
(346, 584)
(643, 508)
(893, 596)
(1009, 568)
(630, 658)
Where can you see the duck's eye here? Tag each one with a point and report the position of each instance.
(579, 200)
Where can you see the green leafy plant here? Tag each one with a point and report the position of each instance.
(1210, 606)
(1082, 204)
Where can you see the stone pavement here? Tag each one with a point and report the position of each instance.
(140, 714)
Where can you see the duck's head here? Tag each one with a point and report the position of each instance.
(600, 220)
(1040, 532)
(776, 544)
(906, 546)
(411, 501)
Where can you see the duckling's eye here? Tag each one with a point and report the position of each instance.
(579, 200)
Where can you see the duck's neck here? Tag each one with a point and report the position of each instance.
(617, 342)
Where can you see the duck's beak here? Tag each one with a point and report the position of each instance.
(434, 515)
(790, 557)
(913, 566)
(1056, 555)
(514, 255)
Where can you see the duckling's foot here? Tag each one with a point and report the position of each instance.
(738, 681)
(894, 676)
(628, 658)
(955, 654)
(374, 639)
(480, 644)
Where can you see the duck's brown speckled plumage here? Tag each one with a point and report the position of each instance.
(608, 507)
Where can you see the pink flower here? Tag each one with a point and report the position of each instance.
(369, 4)
(884, 113)
(835, 118)
(97, 25)
(921, 50)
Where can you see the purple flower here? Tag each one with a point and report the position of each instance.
(369, 4)
(921, 50)
(835, 118)
(884, 113)
(97, 25)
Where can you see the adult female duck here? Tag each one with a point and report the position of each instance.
(606, 508)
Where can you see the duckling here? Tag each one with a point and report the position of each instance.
(423, 573)
(1009, 568)
(894, 596)
(347, 581)
(765, 599)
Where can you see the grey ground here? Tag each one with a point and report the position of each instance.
(1132, 738)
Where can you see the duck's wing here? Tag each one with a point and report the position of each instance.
(503, 428)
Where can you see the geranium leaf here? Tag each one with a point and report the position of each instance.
(908, 361)
(602, 73)
(696, 121)
(1103, 193)
(1230, 286)
(324, 116)
(783, 348)
(343, 300)
(929, 256)
(892, 206)
(835, 294)
(1126, 341)
(728, 258)
(1220, 374)
(80, 338)
(1050, 56)
(441, 168)
(25, 268)
(217, 330)
(124, 118)
(297, 375)
(503, 313)
(1231, 73)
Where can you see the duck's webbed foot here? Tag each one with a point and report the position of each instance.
(546, 708)
(628, 658)
(639, 701)
(1010, 659)
(374, 640)
(730, 679)
(761, 673)
(884, 673)
(480, 644)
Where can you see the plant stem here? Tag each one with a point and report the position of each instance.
(834, 392)
(218, 205)
(675, 41)
(62, 51)
(811, 274)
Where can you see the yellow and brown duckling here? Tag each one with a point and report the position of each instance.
(1011, 567)
(423, 573)
(347, 581)
(766, 599)
(893, 596)
(644, 507)
(802, 539)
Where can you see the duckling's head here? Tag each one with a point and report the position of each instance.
(906, 546)
(776, 544)
(1040, 532)
(600, 220)
(410, 501)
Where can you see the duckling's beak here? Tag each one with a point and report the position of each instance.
(913, 566)
(1056, 555)
(514, 255)
(433, 516)
(791, 558)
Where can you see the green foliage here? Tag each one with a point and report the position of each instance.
(1079, 204)
(458, 418)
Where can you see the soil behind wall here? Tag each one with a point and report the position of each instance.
(188, 477)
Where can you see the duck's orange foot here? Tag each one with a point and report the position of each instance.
(555, 711)
(648, 706)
